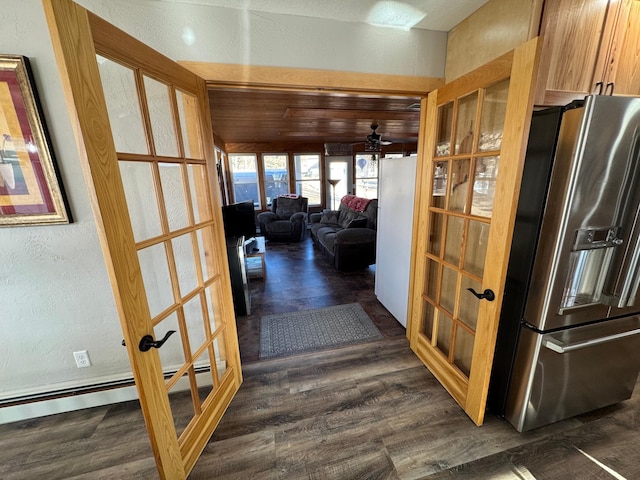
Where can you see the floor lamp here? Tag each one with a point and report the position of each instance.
(333, 182)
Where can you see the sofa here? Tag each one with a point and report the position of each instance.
(347, 236)
(287, 220)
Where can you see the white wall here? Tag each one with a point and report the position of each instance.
(234, 36)
(54, 292)
(55, 297)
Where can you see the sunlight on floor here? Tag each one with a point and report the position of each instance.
(612, 472)
(514, 473)
(522, 473)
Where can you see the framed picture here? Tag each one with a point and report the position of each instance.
(30, 189)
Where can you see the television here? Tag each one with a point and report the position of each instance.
(239, 219)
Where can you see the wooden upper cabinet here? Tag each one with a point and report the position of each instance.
(623, 67)
(587, 42)
(576, 35)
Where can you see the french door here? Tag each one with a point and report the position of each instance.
(143, 130)
(472, 155)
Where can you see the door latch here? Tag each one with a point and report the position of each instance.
(486, 295)
(147, 342)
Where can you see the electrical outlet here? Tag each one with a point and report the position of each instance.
(82, 359)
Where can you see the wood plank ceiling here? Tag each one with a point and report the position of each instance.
(270, 116)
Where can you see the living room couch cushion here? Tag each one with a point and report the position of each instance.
(347, 236)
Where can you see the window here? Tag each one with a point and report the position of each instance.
(276, 175)
(367, 175)
(307, 168)
(245, 177)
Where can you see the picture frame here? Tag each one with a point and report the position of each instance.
(31, 192)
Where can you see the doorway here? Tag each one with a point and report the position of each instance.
(287, 87)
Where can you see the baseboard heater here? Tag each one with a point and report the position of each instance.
(22, 407)
(66, 392)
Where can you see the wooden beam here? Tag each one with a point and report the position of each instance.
(217, 74)
(333, 113)
(298, 133)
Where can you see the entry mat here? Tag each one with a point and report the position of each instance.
(292, 333)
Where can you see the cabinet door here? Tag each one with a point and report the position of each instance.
(624, 63)
(574, 34)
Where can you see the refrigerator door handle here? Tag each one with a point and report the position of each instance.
(625, 292)
(631, 280)
(560, 347)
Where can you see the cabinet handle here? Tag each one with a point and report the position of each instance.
(610, 84)
(598, 88)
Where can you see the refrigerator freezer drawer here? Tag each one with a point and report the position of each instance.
(562, 374)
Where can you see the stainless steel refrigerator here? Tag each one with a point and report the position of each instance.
(569, 334)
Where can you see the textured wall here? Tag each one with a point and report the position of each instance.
(492, 30)
(213, 34)
(55, 297)
(54, 292)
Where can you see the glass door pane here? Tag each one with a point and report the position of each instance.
(189, 125)
(465, 120)
(492, 121)
(123, 106)
(160, 114)
(445, 124)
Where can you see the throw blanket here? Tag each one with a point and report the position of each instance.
(358, 204)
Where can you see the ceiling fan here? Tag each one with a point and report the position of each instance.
(374, 140)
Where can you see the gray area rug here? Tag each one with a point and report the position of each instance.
(305, 331)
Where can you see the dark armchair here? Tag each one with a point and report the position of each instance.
(287, 220)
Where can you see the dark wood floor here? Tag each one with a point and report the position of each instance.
(369, 411)
(300, 278)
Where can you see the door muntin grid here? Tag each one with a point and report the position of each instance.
(462, 193)
(169, 202)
